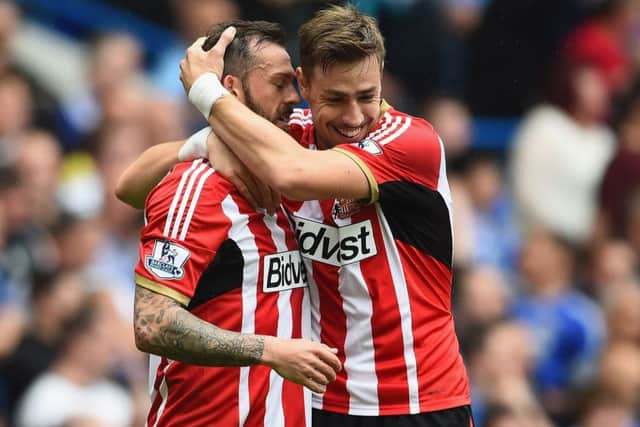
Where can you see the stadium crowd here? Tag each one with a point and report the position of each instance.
(546, 218)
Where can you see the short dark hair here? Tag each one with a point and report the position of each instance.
(249, 34)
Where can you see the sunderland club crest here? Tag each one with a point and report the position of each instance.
(167, 260)
(344, 208)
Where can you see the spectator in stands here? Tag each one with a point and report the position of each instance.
(117, 147)
(451, 118)
(603, 40)
(560, 152)
(39, 162)
(495, 234)
(15, 114)
(568, 327)
(193, 19)
(116, 62)
(623, 314)
(613, 264)
(622, 177)
(77, 385)
(54, 300)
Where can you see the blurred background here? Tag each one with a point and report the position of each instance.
(538, 104)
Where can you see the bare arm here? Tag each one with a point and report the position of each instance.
(276, 158)
(143, 174)
(163, 327)
(270, 153)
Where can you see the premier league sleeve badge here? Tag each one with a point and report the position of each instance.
(167, 260)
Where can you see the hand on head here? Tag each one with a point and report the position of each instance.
(198, 61)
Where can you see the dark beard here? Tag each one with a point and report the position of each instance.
(251, 103)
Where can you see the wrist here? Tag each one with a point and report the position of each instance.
(269, 351)
(205, 91)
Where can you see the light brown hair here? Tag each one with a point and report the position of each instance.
(339, 34)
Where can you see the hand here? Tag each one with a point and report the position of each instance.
(258, 194)
(197, 61)
(305, 362)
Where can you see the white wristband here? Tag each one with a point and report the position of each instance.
(196, 146)
(205, 91)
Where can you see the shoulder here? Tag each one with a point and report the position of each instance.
(299, 121)
(300, 117)
(398, 128)
(190, 181)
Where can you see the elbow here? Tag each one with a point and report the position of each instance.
(142, 338)
(121, 191)
(124, 195)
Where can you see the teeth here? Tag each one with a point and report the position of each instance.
(350, 132)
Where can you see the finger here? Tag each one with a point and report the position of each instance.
(198, 43)
(255, 187)
(329, 357)
(314, 386)
(326, 370)
(243, 189)
(265, 196)
(319, 372)
(275, 199)
(225, 39)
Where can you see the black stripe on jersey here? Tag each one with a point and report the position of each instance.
(223, 274)
(418, 216)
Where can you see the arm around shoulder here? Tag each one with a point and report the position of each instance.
(142, 175)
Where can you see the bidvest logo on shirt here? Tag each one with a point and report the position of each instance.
(335, 246)
(283, 271)
(167, 260)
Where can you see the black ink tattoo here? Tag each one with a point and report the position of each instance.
(164, 327)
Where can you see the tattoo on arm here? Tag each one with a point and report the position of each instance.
(164, 327)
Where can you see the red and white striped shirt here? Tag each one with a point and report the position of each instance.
(381, 277)
(206, 247)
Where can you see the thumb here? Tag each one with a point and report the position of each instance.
(226, 38)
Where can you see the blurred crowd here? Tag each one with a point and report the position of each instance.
(547, 222)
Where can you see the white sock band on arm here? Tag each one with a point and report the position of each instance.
(205, 91)
(196, 146)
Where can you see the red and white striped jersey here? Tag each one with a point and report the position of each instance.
(380, 275)
(206, 247)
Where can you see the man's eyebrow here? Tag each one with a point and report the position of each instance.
(284, 74)
(333, 92)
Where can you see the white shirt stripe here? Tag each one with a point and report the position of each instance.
(402, 295)
(359, 364)
(443, 189)
(185, 199)
(274, 412)
(164, 393)
(241, 234)
(403, 129)
(194, 203)
(385, 131)
(176, 197)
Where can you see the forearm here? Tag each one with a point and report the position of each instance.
(164, 327)
(262, 147)
(143, 174)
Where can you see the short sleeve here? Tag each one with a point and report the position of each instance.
(411, 151)
(184, 226)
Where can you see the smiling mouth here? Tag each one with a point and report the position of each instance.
(349, 133)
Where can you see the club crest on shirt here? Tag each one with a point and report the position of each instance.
(370, 146)
(344, 208)
(167, 260)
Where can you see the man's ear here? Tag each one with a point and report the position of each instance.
(303, 84)
(233, 85)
